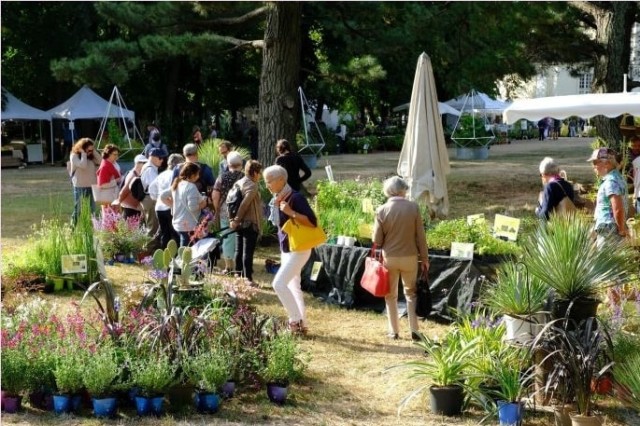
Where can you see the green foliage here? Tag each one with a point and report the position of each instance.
(118, 235)
(442, 234)
(564, 256)
(152, 373)
(102, 372)
(515, 292)
(627, 374)
(508, 370)
(13, 366)
(282, 362)
(208, 153)
(68, 371)
(347, 195)
(208, 370)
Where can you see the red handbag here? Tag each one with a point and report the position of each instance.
(375, 278)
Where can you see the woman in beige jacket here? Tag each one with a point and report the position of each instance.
(399, 231)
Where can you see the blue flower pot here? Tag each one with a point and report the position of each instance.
(133, 392)
(61, 404)
(277, 393)
(156, 405)
(105, 407)
(207, 402)
(509, 413)
(76, 403)
(143, 405)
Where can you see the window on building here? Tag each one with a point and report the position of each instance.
(584, 85)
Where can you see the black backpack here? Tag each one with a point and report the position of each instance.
(137, 189)
(234, 199)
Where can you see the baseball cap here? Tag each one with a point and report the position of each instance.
(157, 152)
(602, 154)
(140, 159)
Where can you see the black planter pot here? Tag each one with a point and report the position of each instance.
(447, 400)
(577, 310)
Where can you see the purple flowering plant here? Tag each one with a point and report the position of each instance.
(118, 235)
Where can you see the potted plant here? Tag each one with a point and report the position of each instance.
(152, 375)
(68, 374)
(513, 380)
(102, 377)
(207, 370)
(443, 373)
(520, 297)
(119, 237)
(579, 355)
(563, 255)
(13, 368)
(282, 365)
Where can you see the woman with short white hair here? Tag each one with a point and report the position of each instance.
(399, 231)
(555, 188)
(289, 204)
(221, 188)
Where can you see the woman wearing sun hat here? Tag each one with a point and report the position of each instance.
(611, 200)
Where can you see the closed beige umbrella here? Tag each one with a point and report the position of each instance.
(424, 161)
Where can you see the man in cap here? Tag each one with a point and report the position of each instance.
(149, 174)
(207, 179)
(611, 200)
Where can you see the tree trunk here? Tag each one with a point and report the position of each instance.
(613, 33)
(279, 115)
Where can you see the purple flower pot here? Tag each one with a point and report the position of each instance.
(11, 404)
(228, 389)
(277, 393)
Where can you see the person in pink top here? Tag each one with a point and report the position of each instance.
(109, 173)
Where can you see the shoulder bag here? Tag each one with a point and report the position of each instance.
(375, 278)
(303, 238)
(565, 207)
(105, 193)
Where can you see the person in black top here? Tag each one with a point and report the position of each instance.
(554, 190)
(293, 164)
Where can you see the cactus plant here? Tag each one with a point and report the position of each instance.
(187, 269)
(158, 259)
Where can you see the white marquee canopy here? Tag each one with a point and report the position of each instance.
(586, 106)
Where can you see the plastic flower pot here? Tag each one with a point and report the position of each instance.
(509, 413)
(76, 403)
(277, 393)
(207, 402)
(70, 283)
(105, 407)
(61, 404)
(228, 389)
(120, 258)
(11, 404)
(58, 284)
(143, 405)
(157, 403)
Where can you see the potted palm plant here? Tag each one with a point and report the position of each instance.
(563, 255)
(520, 297)
(579, 355)
(152, 374)
(282, 365)
(443, 372)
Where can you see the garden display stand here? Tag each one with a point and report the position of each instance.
(313, 139)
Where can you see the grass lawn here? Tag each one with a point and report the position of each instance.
(347, 382)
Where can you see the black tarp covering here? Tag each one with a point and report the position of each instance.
(454, 283)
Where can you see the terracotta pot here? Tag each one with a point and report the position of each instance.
(561, 415)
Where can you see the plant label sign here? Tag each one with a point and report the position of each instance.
(367, 206)
(329, 171)
(476, 218)
(463, 251)
(74, 264)
(505, 226)
(315, 270)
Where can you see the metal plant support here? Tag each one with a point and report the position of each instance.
(473, 140)
(313, 143)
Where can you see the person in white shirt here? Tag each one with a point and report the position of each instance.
(163, 211)
(187, 202)
(149, 174)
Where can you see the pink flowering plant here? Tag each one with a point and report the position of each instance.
(118, 235)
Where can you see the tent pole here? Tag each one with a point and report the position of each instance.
(51, 128)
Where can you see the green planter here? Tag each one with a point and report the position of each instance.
(58, 283)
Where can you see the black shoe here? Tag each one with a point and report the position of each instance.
(415, 336)
(392, 336)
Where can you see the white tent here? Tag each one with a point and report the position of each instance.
(442, 109)
(86, 104)
(477, 101)
(586, 106)
(15, 109)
